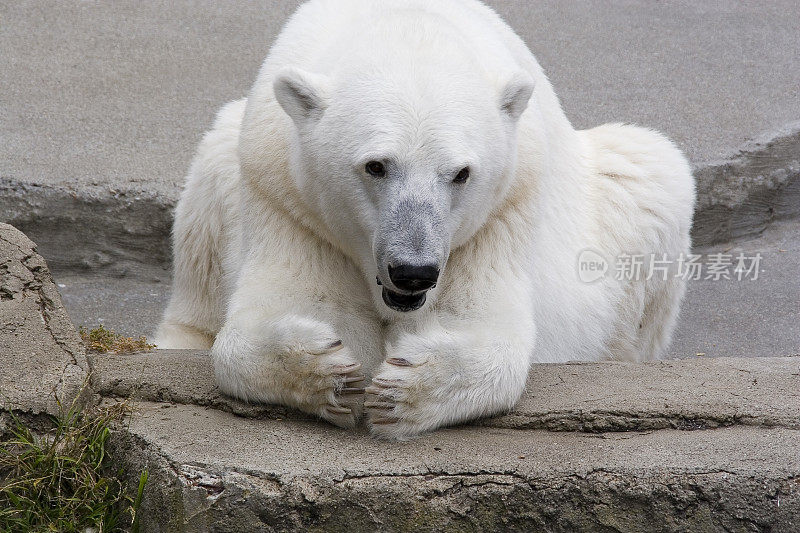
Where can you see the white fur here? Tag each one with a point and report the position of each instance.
(279, 234)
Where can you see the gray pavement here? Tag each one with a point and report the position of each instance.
(748, 318)
(104, 96)
(113, 96)
(129, 306)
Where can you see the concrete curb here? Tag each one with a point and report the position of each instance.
(743, 194)
(213, 471)
(703, 444)
(587, 397)
(99, 231)
(121, 232)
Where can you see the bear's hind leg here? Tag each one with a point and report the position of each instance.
(205, 238)
(180, 336)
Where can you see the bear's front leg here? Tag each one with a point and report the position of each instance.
(295, 334)
(452, 370)
(291, 360)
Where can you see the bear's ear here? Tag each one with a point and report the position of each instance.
(301, 94)
(516, 94)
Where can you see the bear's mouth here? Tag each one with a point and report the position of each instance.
(403, 302)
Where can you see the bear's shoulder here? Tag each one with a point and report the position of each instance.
(641, 182)
(639, 159)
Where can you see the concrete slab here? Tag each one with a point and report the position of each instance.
(274, 469)
(42, 361)
(703, 444)
(102, 97)
(593, 397)
(219, 472)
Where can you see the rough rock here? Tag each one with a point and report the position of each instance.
(42, 360)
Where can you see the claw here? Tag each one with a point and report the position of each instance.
(331, 348)
(379, 405)
(346, 369)
(351, 390)
(384, 420)
(353, 379)
(399, 361)
(387, 382)
(377, 391)
(338, 410)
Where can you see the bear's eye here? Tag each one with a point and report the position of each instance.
(462, 175)
(375, 168)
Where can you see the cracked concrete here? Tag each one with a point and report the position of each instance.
(701, 445)
(43, 360)
(589, 397)
(267, 475)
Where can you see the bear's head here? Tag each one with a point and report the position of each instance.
(403, 165)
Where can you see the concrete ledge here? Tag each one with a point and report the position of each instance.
(92, 230)
(175, 376)
(743, 194)
(622, 457)
(214, 471)
(592, 397)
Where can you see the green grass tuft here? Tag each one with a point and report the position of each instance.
(56, 481)
(104, 340)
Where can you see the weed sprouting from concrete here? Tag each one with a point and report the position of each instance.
(104, 340)
(56, 479)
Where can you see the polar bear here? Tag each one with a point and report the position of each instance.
(390, 223)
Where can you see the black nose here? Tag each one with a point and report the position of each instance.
(414, 278)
